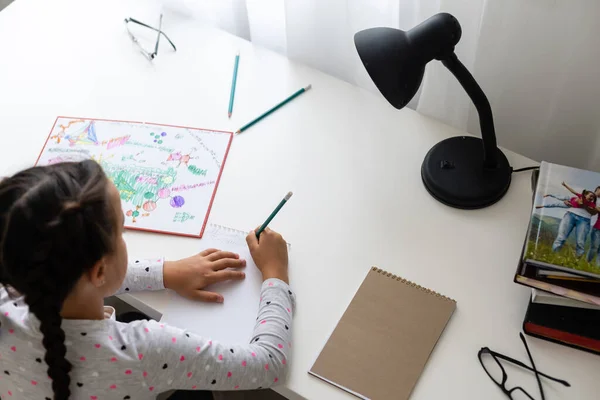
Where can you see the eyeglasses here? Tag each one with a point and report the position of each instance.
(150, 56)
(498, 375)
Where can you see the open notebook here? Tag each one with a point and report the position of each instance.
(234, 320)
(380, 347)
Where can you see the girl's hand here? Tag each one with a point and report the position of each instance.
(269, 254)
(191, 275)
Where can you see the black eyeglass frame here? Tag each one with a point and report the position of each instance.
(146, 53)
(502, 385)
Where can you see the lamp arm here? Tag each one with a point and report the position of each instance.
(486, 120)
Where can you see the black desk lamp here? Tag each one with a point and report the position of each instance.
(463, 172)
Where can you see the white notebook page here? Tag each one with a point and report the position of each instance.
(232, 321)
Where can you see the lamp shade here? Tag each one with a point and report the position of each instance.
(463, 171)
(395, 59)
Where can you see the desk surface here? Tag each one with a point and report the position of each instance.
(352, 161)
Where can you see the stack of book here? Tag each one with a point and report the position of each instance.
(560, 258)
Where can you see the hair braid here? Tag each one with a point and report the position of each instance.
(55, 223)
(45, 304)
(54, 343)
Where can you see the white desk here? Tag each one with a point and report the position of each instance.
(352, 161)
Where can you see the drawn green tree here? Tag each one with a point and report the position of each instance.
(138, 184)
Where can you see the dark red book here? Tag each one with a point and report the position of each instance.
(570, 326)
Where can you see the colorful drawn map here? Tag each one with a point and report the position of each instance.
(167, 176)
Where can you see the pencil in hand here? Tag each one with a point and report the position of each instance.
(273, 214)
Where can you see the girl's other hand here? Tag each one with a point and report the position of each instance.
(269, 254)
(189, 276)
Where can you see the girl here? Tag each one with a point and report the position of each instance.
(584, 199)
(576, 218)
(62, 252)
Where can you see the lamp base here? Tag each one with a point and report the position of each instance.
(453, 172)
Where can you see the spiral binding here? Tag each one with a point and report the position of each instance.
(410, 283)
(231, 230)
(237, 231)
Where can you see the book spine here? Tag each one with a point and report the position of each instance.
(562, 337)
(541, 297)
(568, 326)
(542, 182)
(557, 290)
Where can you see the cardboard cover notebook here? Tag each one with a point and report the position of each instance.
(380, 346)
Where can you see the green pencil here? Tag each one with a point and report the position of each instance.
(232, 94)
(272, 110)
(273, 214)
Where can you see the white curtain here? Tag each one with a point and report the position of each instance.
(537, 60)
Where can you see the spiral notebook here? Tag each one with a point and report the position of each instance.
(232, 321)
(380, 346)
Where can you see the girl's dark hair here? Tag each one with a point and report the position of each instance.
(586, 192)
(56, 222)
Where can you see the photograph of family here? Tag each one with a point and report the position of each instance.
(564, 231)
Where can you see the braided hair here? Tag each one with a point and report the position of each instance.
(56, 223)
